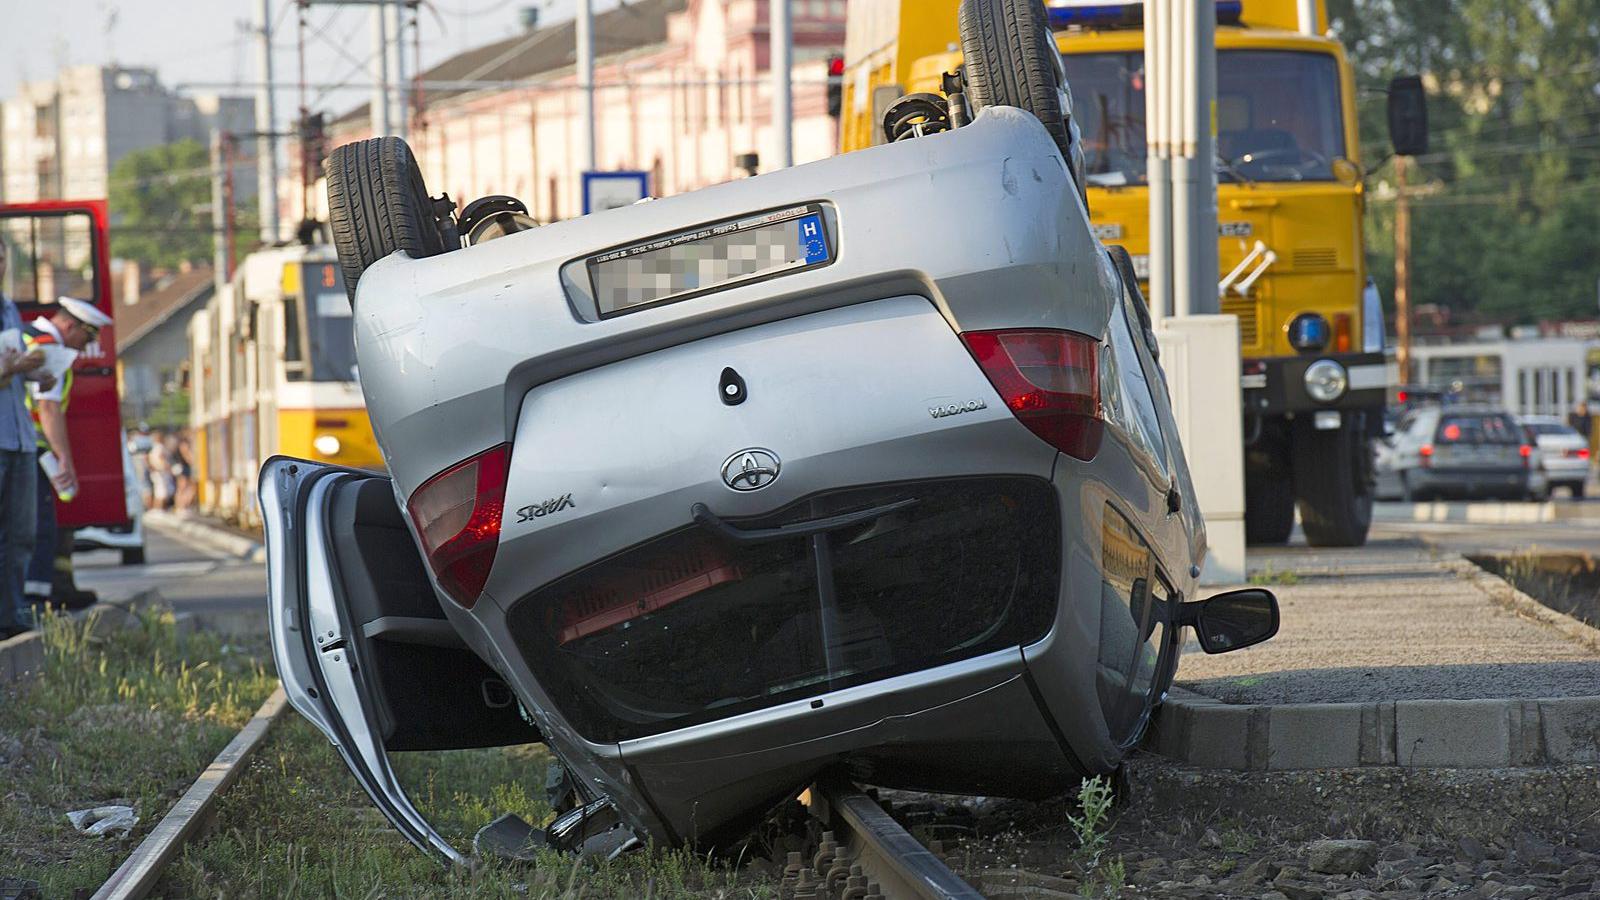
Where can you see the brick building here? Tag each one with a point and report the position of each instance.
(682, 88)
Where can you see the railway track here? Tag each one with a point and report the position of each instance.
(876, 858)
(864, 853)
(139, 873)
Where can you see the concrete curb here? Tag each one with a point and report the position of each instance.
(207, 535)
(1468, 734)
(1507, 595)
(1488, 513)
(23, 656)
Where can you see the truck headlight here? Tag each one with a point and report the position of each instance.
(1326, 381)
(1309, 332)
(328, 445)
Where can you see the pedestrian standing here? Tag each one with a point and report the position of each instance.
(183, 476)
(18, 468)
(49, 580)
(161, 486)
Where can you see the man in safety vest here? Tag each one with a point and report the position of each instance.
(73, 325)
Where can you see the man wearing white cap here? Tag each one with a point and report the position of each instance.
(73, 325)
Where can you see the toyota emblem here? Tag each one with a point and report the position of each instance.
(751, 469)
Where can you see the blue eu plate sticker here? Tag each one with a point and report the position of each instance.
(813, 243)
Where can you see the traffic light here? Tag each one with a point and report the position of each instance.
(835, 85)
(313, 141)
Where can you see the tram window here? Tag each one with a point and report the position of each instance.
(332, 333)
(293, 340)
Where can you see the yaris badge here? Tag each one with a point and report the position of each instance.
(751, 469)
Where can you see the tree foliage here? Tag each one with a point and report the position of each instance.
(1507, 216)
(160, 199)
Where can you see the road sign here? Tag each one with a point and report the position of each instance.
(609, 190)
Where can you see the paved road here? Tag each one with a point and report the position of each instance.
(1389, 622)
(190, 577)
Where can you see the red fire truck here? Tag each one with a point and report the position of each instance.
(60, 248)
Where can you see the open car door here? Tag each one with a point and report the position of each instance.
(362, 647)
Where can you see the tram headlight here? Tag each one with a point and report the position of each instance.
(326, 444)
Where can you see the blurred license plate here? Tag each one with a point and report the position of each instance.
(710, 258)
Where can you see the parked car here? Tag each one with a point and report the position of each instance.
(1564, 453)
(128, 539)
(1459, 452)
(717, 492)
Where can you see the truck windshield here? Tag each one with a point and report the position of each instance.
(1279, 116)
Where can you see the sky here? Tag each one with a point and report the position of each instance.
(203, 41)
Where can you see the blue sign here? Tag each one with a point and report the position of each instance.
(813, 240)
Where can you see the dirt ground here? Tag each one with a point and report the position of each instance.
(1347, 834)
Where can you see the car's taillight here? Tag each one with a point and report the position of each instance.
(1580, 453)
(1051, 382)
(457, 516)
(1426, 452)
(1527, 453)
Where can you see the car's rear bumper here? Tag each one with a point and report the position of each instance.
(1470, 482)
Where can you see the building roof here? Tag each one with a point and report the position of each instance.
(640, 23)
(170, 296)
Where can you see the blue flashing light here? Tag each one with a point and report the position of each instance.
(1095, 13)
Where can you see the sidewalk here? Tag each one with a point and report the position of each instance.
(1390, 654)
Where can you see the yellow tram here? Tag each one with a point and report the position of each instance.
(274, 372)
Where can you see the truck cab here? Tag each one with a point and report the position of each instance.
(1290, 202)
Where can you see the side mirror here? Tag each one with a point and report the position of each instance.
(1232, 621)
(1408, 116)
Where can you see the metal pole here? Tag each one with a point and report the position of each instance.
(266, 144)
(219, 247)
(1206, 263)
(585, 29)
(379, 112)
(1184, 188)
(1158, 157)
(396, 29)
(782, 53)
(229, 223)
(1402, 267)
(1308, 16)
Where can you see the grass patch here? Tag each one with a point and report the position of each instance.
(1269, 575)
(297, 825)
(116, 716)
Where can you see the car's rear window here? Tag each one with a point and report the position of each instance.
(1478, 429)
(694, 627)
(1550, 428)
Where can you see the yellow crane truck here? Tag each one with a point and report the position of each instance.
(1290, 202)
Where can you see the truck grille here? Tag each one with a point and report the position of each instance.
(1245, 309)
(1316, 258)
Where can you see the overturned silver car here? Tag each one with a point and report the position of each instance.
(867, 463)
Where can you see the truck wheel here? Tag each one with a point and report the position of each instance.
(1268, 502)
(1333, 478)
(377, 204)
(133, 556)
(1010, 58)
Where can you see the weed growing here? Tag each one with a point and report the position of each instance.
(116, 716)
(1269, 575)
(1099, 876)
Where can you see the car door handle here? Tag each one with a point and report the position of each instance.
(1174, 500)
(704, 517)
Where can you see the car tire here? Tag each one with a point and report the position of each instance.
(1268, 503)
(377, 204)
(1333, 480)
(1010, 59)
(1577, 491)
(133, 556)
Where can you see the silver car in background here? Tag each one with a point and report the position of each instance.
(1458, 452)
(1564, 453)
